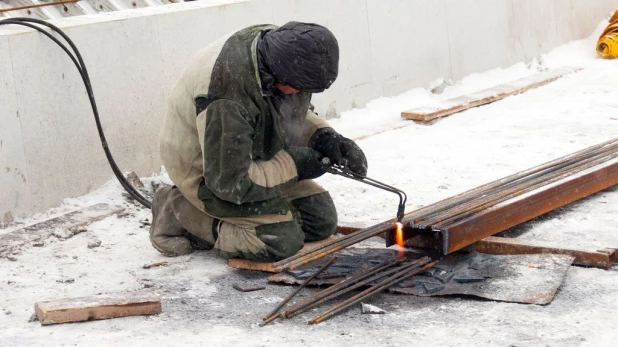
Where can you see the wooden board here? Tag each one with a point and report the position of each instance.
(451, 106)
(97, 307)
(603, 259)
(70, 221)
(268, 267)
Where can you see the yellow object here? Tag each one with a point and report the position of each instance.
(607, 46)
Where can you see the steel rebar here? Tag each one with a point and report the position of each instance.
(369, 292)
(357, 276)
(274, 313)
(301, 308)
(463, 197)
(490, 200)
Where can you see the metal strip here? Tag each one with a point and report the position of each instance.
(603, 259)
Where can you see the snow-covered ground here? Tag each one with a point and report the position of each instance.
(429, 162)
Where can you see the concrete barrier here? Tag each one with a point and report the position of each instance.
(49, 149)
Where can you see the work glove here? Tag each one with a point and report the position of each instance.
(340, 150)
(308, 162)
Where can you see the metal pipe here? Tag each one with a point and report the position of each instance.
(342, 170)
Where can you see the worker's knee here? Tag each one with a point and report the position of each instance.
(268, 242)
(282, 239)
(318, 214)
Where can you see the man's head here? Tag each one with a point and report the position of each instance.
(300, 57)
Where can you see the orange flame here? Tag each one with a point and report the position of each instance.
(399, 237)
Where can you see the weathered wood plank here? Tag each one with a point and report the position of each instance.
(97, 307)
(603, 259)
(486, 96)
(70, 221)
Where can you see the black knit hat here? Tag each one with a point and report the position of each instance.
(304, 56)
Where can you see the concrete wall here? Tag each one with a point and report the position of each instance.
(49, 149)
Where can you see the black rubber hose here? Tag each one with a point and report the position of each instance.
(81, 67)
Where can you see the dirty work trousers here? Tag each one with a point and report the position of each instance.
(178, 227)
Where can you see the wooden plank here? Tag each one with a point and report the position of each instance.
(70, 221)
(486, 96)
(603, 259)
(97, 307)
(268, 267)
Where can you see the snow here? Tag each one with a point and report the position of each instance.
(429, 162)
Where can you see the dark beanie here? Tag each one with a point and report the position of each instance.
(304, 56)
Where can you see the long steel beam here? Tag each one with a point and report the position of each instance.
(515, 211)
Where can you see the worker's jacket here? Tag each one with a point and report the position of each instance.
(223, 140)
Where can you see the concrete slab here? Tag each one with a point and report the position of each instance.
(403, 58)
(585, 15)
(477, 42)
(524, 34)
(202, 26)
(13, 172)
(61, 145)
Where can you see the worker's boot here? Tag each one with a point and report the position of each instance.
(201, 228)
(178, 227)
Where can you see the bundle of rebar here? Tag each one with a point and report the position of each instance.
(445, 213)
(376, 278)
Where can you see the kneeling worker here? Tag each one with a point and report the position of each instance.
(241, 144)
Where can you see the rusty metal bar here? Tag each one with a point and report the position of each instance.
(26, 7)
(603, 259)
(466, 196)
(275, 313)
(334, 292)
(369, 292)
(357, 276)
(451, 217)
(501, 217)
(301, 259)
(451, 214)
(508, 192)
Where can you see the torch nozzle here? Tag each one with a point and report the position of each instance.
(346, 172)
(400, 212)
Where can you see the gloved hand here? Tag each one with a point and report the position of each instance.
(339, 149)
(307, 160)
